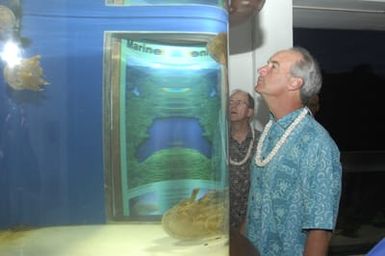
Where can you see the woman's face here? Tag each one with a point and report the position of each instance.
(239, 108)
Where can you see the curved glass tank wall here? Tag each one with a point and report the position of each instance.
(113, 127)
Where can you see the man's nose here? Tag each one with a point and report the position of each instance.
(263, 70)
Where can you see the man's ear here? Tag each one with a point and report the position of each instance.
(295, 83)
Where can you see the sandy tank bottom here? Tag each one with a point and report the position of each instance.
(105, 240)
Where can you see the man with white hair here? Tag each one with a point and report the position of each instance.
(296, 173)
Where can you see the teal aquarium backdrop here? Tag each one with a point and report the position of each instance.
(115, 125)
(167, 95)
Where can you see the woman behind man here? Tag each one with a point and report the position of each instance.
(242, 145)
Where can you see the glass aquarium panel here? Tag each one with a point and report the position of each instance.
(113, 131)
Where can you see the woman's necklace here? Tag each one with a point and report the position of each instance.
(248, 150)
(262, 162)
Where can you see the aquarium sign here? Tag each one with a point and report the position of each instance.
(142, 47)
(167, 50)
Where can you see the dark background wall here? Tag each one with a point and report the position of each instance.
(351, 109)
(351, 100)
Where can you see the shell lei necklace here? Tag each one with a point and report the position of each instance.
(262, 162)
(248, 150)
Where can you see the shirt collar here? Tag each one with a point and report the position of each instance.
(285, 121)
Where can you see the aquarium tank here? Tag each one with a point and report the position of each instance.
(113, 127)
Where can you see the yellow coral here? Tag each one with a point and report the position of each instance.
(193, 219)
(217, 48)
(26, 76)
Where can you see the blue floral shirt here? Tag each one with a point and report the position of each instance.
(298, 190)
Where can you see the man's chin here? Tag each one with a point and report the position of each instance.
(257, 90)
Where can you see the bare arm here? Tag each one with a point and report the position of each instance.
(317, 242)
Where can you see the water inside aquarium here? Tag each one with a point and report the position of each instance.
(113, 128)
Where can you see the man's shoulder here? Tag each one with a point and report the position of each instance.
(318, 134)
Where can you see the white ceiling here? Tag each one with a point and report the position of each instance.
(339, 14)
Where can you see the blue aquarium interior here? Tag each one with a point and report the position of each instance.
(52, 142)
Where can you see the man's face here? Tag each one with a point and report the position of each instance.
(274, 77)
(239, 109)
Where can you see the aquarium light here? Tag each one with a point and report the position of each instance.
(11, 54)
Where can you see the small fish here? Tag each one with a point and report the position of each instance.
(136, 91)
